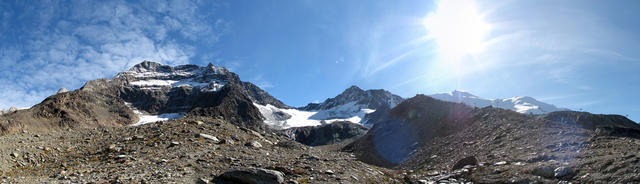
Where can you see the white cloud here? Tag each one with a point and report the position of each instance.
(86, 40)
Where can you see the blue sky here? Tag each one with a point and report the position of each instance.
(574, 54)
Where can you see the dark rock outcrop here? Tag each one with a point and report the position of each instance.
(326, 134)
(470, 160)
(607, 125)
(232, 105)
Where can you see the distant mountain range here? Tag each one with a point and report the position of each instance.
(521, 104)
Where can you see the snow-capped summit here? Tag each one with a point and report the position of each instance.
(521, 104)
(155, 76)
(62, 90)
(463, 97)
(351, 105)
(462, 94)
(154, 90)
(372, 99)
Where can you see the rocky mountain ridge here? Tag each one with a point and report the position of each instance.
(372, 99)
(353, 105)
(146, 88)
(158, 88)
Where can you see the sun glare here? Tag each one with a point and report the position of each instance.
(457, 27)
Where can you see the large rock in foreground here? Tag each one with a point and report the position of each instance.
(249, 175)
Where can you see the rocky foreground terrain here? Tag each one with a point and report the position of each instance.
(448, 142)
(189, 150)
(487, 145)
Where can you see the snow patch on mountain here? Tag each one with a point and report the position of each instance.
(353, 104)
(521, 104)
(156, 84)
(287, 118)
(343, 111)
(145, 118)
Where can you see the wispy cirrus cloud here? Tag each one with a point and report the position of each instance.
(262, 82)
(64, 44)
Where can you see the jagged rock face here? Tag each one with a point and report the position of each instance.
(326, 134)
(372, 99)
(352, 101)
(231, 105)
(157, 88)
(77, 109)
(154, 76)
(353, 105)
(152, 88)
(260, 96)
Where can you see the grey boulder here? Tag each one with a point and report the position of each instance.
(250, 175)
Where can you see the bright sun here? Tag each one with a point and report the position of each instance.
(457, 27)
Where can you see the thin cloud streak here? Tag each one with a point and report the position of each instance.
(391, 62)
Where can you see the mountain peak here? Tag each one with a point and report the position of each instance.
(62, 90)
(353, 88)
(460, 93)
(160, 83)
(524, 98)
(372, 99)
(146, 65)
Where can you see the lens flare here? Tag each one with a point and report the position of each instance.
(457, 27)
